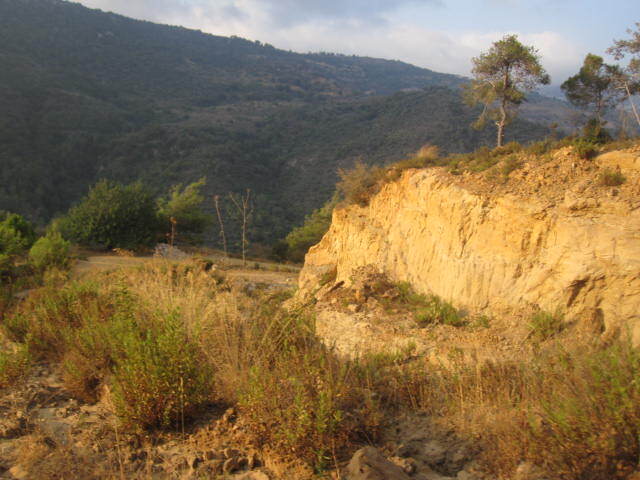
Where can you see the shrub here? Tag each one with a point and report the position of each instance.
(359, 184)
(585, 149)
(595, 133)
(544, 325)
(50, 251)
(611, 178)
(429, 309)
(113, 215)
(311, 232)
(305, 400)
(16, 233)
(510, 164)
(587, 424)
(427, 155)
(184, 205)
(159, 379)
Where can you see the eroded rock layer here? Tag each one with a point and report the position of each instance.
(550, 236)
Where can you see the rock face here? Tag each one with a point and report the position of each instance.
(554, 239)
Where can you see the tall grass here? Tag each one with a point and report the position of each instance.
(168, 340)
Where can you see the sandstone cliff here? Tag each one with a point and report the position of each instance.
(549, 237)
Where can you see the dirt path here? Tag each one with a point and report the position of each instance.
(265, 273)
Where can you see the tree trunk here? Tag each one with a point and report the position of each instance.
(633, 105)
(500, 123)
(216, 200)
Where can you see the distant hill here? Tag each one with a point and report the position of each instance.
(86, 94)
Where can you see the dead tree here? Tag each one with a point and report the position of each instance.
(244, 207)
(216, 201)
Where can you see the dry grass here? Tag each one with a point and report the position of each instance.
(575, 415)
(170, 338)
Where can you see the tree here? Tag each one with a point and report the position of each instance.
(593, 87)
(502, 77)
(245, 209)
(182, 211)
(16, 234)
(113, 215)
(316, 224)
(629, 78)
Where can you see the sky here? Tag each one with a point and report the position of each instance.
(442, 35)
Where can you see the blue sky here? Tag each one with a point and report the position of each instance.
(438, 34)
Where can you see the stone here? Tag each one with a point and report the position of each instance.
(369, 464)
(408, 465)
(230, 465)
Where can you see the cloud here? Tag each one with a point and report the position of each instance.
(380, 28)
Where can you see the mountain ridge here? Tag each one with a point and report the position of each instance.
(87, 94)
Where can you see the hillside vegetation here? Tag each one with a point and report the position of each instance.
(86, 95)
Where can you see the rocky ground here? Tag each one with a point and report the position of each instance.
(550, 176)
(47, 434)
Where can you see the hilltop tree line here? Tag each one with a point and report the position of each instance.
(504, 75)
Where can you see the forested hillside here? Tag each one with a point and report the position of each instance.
(86, 95)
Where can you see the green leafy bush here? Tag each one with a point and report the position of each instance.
(585, 148)
(184, 205)
(113, 215)
(16, 234)
(587, 424)
(50, 251)
(98, 331)
(303, 399)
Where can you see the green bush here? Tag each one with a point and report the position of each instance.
(50, 251)
(311, 232)
(429, 309)
(585, 149)
(113, 216)
(99, 331)
(184, 205)
(16, 234)
(302, 398)
(159, 379)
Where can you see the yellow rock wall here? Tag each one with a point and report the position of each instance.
(485, 251)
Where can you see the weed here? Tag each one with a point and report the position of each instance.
(544, 325)
(585, 149)
(328, 277)
(358, 185)
(510, 164)
(611, 178)
(429, 309)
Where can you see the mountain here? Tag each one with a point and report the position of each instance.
(86, 94)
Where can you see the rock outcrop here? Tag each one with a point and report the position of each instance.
(550, 237)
